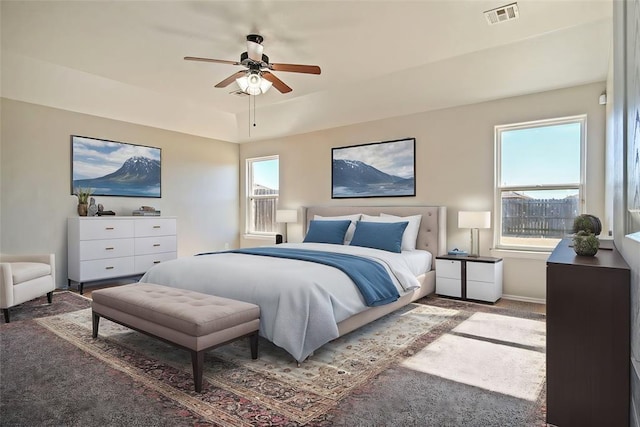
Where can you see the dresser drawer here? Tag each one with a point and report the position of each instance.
(111, 248)
(106, 268)
(105, 229)
(481, 271)
(148, 227)
(448, 268)
(145, 262)
(448, 287)
(154, 245)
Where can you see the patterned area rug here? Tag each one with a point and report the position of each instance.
(240, 391)
(404, 369)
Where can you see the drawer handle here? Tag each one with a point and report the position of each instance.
(109, 228)
(155, 245)
(109, 268)
(156, 262)
(108, 249)
(156, 226)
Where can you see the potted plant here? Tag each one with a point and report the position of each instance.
(586, 229)
(83, 195)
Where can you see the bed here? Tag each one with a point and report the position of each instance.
(307, 304)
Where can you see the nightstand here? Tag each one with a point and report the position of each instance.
(466, 277)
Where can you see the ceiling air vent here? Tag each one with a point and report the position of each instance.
(502, 14)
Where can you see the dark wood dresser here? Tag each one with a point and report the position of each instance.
(588, 338)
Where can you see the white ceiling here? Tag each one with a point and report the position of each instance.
(124, 59)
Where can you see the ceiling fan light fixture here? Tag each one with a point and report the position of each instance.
(253, 84)
(265, 85)
(254, 79)
(243, 83)
(254, 50)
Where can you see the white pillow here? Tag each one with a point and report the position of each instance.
(352, 228)
(410, 235)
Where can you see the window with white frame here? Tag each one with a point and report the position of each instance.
(539, 182)
(262, 195)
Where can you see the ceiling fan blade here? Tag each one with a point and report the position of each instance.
(232, 78)
(277, 83)
(218, 61)
(295, 68)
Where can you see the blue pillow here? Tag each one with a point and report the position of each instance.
(327, 232)
(379, 235)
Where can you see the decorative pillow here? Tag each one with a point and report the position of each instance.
(380, 235)
(327, 232)
(411, 233)
(353, 218)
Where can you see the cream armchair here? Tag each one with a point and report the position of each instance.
(25, 277)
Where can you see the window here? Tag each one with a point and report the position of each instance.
(262, 195)
(539, 182)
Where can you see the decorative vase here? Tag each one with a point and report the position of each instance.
(82, 209)
(585, 244)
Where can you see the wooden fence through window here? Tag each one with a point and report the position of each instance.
(264, 210)
(547, 218)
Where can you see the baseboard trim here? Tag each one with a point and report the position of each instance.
(525, 299)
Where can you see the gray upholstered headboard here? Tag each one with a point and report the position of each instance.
(433, 227)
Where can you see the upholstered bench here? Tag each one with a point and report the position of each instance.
(190, 320)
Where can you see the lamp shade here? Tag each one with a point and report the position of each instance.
(253, 83)
(467, 219)
(286, 215)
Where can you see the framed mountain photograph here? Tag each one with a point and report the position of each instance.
(377, 169)
(111, 168)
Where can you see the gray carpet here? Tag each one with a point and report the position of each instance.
(45, 380)
(404, 397)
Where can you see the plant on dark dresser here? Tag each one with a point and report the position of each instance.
(586, 229)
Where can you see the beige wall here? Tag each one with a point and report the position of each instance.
(619, 136)
(199, 181)
(454, 165)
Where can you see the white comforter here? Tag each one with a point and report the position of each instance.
(300, 302)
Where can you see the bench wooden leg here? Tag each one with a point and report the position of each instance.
(197, 360)
(95, 322)
(254, 345)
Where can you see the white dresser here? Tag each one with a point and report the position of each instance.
(110, 247)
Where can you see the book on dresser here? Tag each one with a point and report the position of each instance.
(118, 246)
(140, 212)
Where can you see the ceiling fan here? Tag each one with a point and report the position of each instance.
(257, 78)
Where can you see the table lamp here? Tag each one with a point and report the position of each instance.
(474, 221)
(285, 216)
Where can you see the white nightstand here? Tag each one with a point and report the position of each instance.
(465, 277)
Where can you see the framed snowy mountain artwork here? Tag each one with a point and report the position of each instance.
(377, 169)
(113, 168)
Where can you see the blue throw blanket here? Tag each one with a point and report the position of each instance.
(370, 277)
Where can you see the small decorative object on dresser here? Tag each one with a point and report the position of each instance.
(83, 199)
(92, 210)
(585, 240)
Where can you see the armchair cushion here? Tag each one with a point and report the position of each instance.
(25, 271)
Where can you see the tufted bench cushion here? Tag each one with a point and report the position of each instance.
(188, 319)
